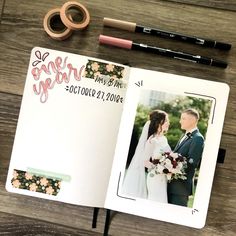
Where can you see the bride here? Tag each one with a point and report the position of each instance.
(152, 143)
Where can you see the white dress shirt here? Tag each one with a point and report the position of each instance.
(186, 136)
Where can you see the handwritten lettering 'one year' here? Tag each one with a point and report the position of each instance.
(56, 72)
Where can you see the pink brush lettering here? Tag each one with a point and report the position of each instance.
(55, 72)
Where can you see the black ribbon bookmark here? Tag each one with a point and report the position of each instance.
(107, 221)
(95, 217)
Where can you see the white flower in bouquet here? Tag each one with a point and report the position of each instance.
(179, 166)
(176, 171)
(174, 155)
(168, 164)
(160, 168)
(162, 159)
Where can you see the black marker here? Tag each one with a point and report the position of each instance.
(133, 27)
(128, 44)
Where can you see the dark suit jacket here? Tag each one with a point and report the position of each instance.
(192, 149)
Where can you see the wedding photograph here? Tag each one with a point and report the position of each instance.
(166, 146)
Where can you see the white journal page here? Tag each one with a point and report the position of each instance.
(159, 109)
(67, 128)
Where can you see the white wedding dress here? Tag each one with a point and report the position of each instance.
(135, 182)
(156, 183)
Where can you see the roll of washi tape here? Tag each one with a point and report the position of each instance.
(54, 26)
(78, 21)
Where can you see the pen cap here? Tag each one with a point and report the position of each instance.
(120, 24)
(117, 42)
(222, 46)
(218, 63)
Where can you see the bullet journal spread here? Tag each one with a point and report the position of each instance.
(97, 133)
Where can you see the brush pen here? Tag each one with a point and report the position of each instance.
(133, 27)
(128, 44)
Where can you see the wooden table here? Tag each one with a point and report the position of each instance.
(21, 29)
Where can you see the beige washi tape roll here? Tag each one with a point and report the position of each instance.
(54, 26)
(71, 22)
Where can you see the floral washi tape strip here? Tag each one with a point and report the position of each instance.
(35, 183)
(96, 68)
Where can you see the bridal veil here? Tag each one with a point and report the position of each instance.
(134, 183)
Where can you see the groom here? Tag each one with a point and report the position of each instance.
(190, 146)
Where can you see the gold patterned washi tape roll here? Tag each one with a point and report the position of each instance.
(68, 19)
(54, 26)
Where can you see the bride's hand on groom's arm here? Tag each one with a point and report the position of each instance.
(148, 164)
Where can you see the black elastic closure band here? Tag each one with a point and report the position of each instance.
(221, 155)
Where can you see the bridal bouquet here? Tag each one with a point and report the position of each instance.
(173, 165)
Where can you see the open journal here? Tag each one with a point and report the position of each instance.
(101, 134)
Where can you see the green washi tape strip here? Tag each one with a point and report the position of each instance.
(49, 174)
